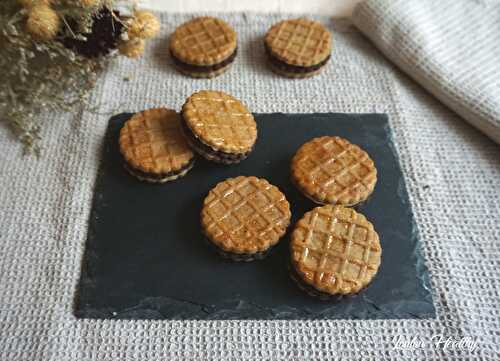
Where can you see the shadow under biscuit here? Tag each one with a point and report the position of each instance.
(237, 257)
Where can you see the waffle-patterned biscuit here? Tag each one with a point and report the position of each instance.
(153, 147)
(221, 124)
(298, 42)
(245, 216)
(332, 170)
(203, 41)
(335, 250)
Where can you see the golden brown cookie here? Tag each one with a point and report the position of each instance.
(203, 47)
(244, 217)
(298, 48)
(334, 251)
(218, 126)
(332, 170)
(153, 147)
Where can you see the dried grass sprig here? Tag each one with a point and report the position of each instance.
(42, 76)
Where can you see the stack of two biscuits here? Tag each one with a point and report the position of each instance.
(159, 145)
(334, 250)
(241, 217)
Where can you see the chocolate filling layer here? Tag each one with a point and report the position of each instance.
(158, 176)
(293, 68)
(324, 296)
(207, 149)
(204, 68)
(245, 257)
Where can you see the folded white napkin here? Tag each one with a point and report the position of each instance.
(450, 47)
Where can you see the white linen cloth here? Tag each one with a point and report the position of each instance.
(450, 47)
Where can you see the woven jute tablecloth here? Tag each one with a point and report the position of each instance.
(452, 171)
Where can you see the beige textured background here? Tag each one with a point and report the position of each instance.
(324, 7)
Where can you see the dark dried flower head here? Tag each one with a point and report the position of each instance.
(103, 37)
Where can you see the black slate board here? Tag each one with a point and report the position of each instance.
(146, 259)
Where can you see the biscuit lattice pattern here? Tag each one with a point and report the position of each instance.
(245, 214)
(151, 141)
(335, 249)
(299, 42)
(220, 121)
(333, 170)
(204, 41)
